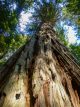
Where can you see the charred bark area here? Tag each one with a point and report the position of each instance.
(36, 47)
(30, 89)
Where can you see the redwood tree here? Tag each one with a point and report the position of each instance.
(43, 73)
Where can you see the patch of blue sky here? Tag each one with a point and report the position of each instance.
(70, 33)
(24, 19)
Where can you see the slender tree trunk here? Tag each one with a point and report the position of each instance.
(45, 75)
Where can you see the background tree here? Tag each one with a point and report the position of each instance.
(9, 19)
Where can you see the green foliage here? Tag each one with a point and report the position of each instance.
(61, 35)
(1, 63)
(24, 3)
(75, 49)
(73, 6)
(44, 12)
(18, 41)
(10, 43)
(50, 10)
(2, 44)
(9, 19)
(59, 1)
(72, 10)
(9, 16)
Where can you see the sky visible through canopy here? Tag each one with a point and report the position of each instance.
(70, 33)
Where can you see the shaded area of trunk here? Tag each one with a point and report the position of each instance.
(45, 75)
(9, 66)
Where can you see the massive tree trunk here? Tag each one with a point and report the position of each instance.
(43, 74)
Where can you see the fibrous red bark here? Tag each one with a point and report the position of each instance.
(45, 75)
